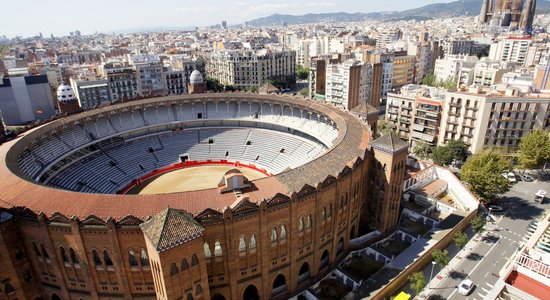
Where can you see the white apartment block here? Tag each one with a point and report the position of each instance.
(485, 73)
(448, 68)
(149, 74)
(492, 118)
(245, 69)
(347, 83)
(511, 50)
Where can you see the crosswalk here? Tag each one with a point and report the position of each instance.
(482, 291)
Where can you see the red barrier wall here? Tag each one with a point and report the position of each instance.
(188, 164)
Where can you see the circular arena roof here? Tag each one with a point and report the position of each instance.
(30, 164)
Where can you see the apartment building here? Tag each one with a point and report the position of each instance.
(484, 73)
(382, 76)
(415, 113)
(403, 69)
(347, 83)
(512, 49)
(245, 68)
(449, 67)
(457, 46)
(91, 92)
(492, 118)
(122, 79)
(149, 74)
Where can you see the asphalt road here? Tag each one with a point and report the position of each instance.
(501, 240)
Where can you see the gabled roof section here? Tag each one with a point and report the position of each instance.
(389, 143)
(171, 228)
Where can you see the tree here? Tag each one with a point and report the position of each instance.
(229, 88)
(483, 173)
(441, 257)
(429, 79)
(382, 128)
(459, 150)
(417, 282)
(213, 84)
(478, 223)
(534, 149)
(252, 89)
(304, 92)
(442, 155)
(302, 73)
(461, 239)
(423, 150)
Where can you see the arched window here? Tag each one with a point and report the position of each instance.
(63, 254)
(242, 243)
(324, 214)
(184, 265)
(207, 252)
(283, 232)
(107, 258)
(95, 257)
(189, 296)
(301, 225)
(309, 221)
(274, 234)
(35, 250)
(252, 242)
(8, 288)
(218, 249)
(132, 258)
(194, 260)
(144, 258)
(198, 289)
(330, 210)
(74, 257)
(173, 269)
(44, 253)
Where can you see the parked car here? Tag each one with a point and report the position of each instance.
(526, 177)
(512, 177)
(495, 208)
(465, 287)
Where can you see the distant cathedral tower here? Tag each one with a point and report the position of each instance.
(515, 13)
(196, 83)
(68, 103)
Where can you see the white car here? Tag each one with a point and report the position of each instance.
(511, 177)
(465, 287)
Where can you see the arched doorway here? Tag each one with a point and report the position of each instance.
(251, 293)
(303, 274)
(218, 297)
(55, 297)
(279, 285)
(340, 247)
(324, 260)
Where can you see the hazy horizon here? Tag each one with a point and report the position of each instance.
(64, 16)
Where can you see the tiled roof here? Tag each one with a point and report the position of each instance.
(171, 228)
(390, 143)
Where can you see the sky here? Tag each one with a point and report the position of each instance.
(29, 17)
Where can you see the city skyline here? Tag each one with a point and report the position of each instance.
(127, 15)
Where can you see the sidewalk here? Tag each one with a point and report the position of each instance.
(453, 264)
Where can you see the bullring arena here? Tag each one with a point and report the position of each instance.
(110, 203)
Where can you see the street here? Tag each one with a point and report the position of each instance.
(496, 245)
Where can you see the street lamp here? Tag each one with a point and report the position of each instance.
(431, 274)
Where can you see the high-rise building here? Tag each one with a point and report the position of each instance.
(348, 83)
(91, 92)
(512, 49)
(403, 69)
(26, 98)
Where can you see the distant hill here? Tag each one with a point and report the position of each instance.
(436, 10)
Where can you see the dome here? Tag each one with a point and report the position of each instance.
(196, 77)
(65, 93)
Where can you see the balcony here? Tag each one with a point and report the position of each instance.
(458, 105)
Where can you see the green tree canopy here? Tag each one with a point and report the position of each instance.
(459, 150)
(423, 150)
(483, 173)
(461, 239)
(534, 149)
(442, 155)
(301, 72)
(478, 223)
(417, 282)
(213, 84)
(441, 257)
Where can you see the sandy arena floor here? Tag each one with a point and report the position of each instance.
(190, 179)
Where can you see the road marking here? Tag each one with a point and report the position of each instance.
(485, 290)
(486, 275)
(490, 285)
